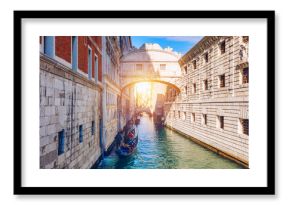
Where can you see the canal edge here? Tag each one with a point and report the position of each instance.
(209, 147)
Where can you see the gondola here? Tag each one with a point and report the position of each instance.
(130, 143)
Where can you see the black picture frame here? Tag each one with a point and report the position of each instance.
(268, 190)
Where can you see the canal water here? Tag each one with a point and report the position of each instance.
(166, 149)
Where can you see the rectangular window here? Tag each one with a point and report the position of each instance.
(245, 126)
(96, 68)
(162, 66)
(178, 114)
(222, 81)
(205, 85)
(223, 47)
(245, 75)
(74, 45)
(48, 46)
(204, 119)
(206, 57)
(90, 63)
(194, 88)
(221, 122)
(81, 133)
(60, 142)
(192, 119)
(138, 67)
(184, 116)
(93, 127)
(194, 64)
(185, 69)
(185, 90)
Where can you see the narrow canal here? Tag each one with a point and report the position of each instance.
(166, 149)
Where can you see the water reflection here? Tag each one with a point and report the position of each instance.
(164, 149)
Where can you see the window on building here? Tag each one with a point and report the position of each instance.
(194, 64)
(81, 133)
(244, 126)
(205, 85)
(185, 90)
(220, 122)
(183, 115)
(138, 67)
(192, 118)
(245, 75)
(206, 57)
(185, 69)
(74, 46)
(60, 142)
(96, 68)
(222, 81)
(48, 46)
(162, 66)
(178, 114)
(204, 119)
(194, 88)
(223, 47)
(93, 127)
(90, 63)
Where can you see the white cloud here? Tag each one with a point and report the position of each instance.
(183, 38)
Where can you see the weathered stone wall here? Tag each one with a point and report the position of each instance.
(230, 101)
(67, 100)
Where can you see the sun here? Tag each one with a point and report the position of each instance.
(143, 88)
(143, 94)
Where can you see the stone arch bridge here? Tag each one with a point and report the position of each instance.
(150, 63)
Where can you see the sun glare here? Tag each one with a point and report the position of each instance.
(143, 93)
(143, 88)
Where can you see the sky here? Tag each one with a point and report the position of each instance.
(180, 44)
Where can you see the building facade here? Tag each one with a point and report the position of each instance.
(70, 101)
(212, 107)
(115, 103)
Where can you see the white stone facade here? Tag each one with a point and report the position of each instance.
(68, 103)
(114, 116)
(150, 63)
(212, 106)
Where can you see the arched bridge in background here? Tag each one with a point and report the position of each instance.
(150, 63)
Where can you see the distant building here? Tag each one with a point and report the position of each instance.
(213, 104)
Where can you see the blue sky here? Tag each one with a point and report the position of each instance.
(180, 44)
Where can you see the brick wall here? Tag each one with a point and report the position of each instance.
(63, 47)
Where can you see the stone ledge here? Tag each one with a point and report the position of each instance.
(52, 66)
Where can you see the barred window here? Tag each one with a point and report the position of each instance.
(192, 119)
(93, 127)
(81, 133)
(205, 83)
(194, 87)
(221, 122)
(206, 57)
(162, 66)
(138, 67)
(222, 81)
(245, 126)
(204, 119)
(245, 75)
(60, 142)
(223, 47)
(185, 69)
(194, 64)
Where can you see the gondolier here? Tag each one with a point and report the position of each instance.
(130, 140)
